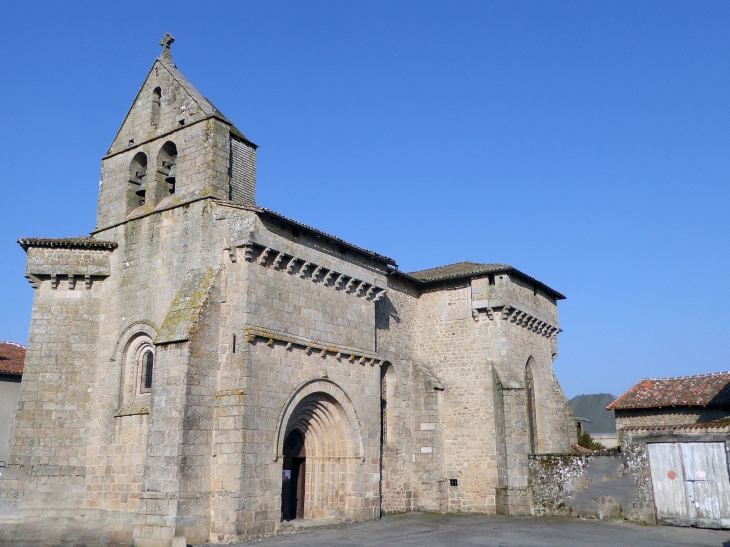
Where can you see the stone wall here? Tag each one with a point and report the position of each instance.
(202, 167)
(48, 448)
(413, 398)
(601, 485)
(669, 416)
(176, 105)
(479, 350)
(446, 341)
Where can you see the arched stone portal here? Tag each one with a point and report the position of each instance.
(320, 446)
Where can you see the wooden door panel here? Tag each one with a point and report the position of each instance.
(708, 484)
(667, 475)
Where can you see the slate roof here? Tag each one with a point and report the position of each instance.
(317, 232)
(469, 269)
(593, 408)
(458, 269)
(700, 390)
(67, 242)
(12, 356)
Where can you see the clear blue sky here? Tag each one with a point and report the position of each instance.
(587, 144)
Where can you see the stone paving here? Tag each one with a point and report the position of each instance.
(437, 530)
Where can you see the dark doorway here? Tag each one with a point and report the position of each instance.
(292, 479)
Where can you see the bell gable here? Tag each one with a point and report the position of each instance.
(166, 102)
(173, 147)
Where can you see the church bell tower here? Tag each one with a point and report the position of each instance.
(173, 147)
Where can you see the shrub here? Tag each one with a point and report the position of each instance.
(586, 441)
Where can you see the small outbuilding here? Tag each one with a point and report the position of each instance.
(674, 433)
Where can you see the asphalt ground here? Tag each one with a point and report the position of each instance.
(436, 530)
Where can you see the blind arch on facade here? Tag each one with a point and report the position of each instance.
(531, 406)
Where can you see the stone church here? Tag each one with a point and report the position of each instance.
(201, 368)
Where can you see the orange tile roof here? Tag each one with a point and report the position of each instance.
(700, 390)
(12, 356)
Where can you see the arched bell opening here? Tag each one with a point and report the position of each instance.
(137, 182)
(319, 442)
(166, 170)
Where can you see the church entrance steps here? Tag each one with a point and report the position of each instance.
(307, 525)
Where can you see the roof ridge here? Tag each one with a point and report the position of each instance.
(461, 262)
(693, 390)
(685, 377)
(467, 269)
(318, 232)
(610, 405)
(12, 344)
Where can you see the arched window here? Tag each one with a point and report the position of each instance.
(167, 168)
(387, 385)
(156, 100)
(148, 362)
(137, 185)
(531, 407)
(139, 363)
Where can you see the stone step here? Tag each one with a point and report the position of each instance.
(303, 525)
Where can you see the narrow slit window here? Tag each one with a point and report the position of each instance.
(234, 343)
(156, 100)
(148, 362)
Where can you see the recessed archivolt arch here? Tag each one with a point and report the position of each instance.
(132, 330)
(325, 416)
(531, 405)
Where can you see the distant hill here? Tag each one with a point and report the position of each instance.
(593, 408)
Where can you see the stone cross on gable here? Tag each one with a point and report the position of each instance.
(166, 42)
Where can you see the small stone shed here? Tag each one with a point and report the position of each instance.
(674, 435)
